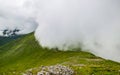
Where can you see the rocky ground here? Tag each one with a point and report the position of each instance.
(50, 70)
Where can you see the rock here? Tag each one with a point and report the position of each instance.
(52, 70)
(56, 70)
(43, 73)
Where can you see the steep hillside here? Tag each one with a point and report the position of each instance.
(25, 53)
(4, 40)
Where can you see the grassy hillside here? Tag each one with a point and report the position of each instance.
(25, 53)
(4, 40)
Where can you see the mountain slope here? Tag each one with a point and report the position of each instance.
(25, 53)
(4, 40)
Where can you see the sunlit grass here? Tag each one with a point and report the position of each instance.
(25, 53)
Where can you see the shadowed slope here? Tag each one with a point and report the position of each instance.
(4, 40)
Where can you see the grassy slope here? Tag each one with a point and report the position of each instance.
(25, 53)
(4, 40)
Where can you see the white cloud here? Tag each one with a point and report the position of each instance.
(17, 14)
(93, 24)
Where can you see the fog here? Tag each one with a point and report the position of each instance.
(92, 25)
(16, 14)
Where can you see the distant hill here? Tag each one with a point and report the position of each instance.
(25, 53)
(4, 39)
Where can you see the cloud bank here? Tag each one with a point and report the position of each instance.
(93, 25)
(16, 14)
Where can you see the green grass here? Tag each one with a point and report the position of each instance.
(25, 53)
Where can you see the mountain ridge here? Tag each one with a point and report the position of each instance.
(25, 53)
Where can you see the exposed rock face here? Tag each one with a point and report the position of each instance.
(54, 70)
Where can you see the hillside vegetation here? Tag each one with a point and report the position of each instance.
(4, 39)
(25, 53)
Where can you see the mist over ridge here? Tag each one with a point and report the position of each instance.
(93, 25)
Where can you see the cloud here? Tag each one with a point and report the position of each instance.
(16, 14)
(93, 25)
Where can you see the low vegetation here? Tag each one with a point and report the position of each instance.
(25, 53)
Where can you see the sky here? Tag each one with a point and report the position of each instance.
(93, 25)
(16, 14)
